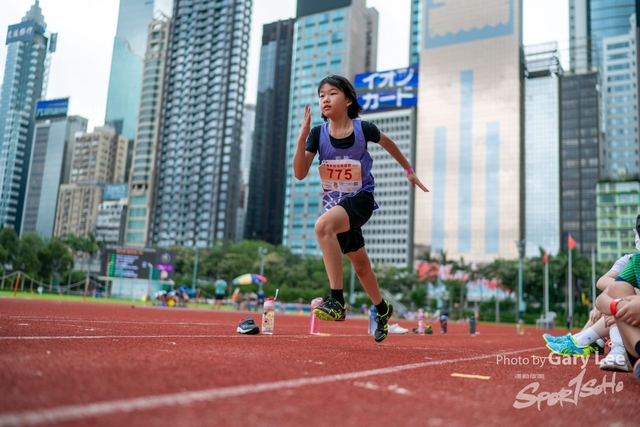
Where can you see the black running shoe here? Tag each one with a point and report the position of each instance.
(330, 309)
(382, 329)
(248, 327)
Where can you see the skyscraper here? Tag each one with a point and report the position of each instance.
(50, 164)
(579, 157)
(331, 37)
(470, 130)
(620, 99)
(589, 22)
(198, 163)
(608, 18)
(22, 87)
(265, 207)
(142, 170)
(127, 62)
(389, 232)
(416, 28)
(542, 149)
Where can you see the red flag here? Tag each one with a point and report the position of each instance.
(545, 258)
(571, 242)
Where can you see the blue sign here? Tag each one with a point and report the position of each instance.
(115, 191)
(52, 108)
(386, 90)
(22, 32)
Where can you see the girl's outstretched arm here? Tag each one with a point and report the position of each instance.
(392, 148)
(302, 159)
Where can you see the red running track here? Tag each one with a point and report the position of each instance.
(97, 364)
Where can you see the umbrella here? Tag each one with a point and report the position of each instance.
(248, 279)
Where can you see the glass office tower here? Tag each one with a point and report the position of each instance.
(541, 145)
(50, 166)
(127, 62)
(265, 212)
(22, 87)
(469, 149)
(620, 99)
(579, 157)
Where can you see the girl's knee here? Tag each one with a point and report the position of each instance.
(362, 269)
(620, 290)
(322, 228)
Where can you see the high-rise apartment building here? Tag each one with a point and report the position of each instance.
(620, 100)
(23, 85)
(470, 130)
(99, 158)
(142, 170)
(198, 161)
(127, 62)
(50, 163)
(331, 37)
(617, 204)
(112, 214)
(579, 159)
(542, 149)
(265, 212)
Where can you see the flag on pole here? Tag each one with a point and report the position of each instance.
(545, 258)
(571, 242)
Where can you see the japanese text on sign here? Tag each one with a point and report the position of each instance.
(386, 90)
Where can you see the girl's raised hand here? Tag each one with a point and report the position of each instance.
(413, 179)
(306, 122)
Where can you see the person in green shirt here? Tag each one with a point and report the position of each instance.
(221, 290)
(621, 301)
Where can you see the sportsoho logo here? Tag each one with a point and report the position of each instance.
(575, 389)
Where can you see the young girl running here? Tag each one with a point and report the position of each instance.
(347, 183)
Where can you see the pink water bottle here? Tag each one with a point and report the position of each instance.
(421, 322)
(314, 325)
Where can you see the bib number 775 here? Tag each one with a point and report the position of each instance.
(347, 174)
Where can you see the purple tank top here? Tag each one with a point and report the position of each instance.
(358, 151)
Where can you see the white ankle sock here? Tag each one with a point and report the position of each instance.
(586, 337)
(614, 334)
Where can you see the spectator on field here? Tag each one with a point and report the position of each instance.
(220, 292)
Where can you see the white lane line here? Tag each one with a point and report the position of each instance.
(100, 337)
(75, 412)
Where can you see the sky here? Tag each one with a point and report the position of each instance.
(80, 67)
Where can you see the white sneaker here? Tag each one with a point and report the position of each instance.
(617, 359)
(397, 329)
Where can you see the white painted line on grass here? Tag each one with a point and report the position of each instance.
(76, 412)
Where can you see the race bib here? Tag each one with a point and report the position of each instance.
(344, 176)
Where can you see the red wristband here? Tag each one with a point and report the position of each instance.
(408, 171)
(613, 306)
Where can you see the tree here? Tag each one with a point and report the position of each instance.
(90, 246)
(61, 259)
(27, 257)
(10, 242)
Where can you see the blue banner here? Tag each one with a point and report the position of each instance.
(22, 32)
(52, 108)
(115, 191)
(386, 90)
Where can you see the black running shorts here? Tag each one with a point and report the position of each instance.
(359, 208)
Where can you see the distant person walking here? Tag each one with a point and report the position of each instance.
(221, 291)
